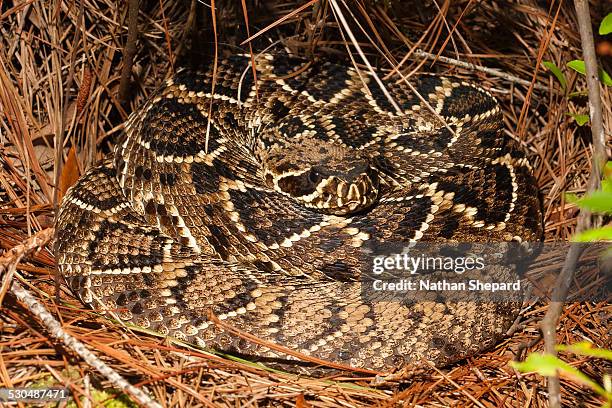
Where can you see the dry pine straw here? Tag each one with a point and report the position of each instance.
(59, 74)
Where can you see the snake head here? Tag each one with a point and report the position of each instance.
(329, 178)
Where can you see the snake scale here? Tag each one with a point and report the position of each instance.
(252, 199)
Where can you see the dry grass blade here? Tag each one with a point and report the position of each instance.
(280, 21)
(213, 12)
(286, 350)
(541, 50)
(253, 67)
(345, 26)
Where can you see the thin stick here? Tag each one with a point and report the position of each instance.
(9, 262)
(10, 258)
(473, 67)
(130, 50)
(167, 34)
(55, 330)
(590, 59)
(245, 13)
(549, 323)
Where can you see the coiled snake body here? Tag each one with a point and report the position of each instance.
(256, 209)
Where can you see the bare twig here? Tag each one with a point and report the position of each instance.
(15, 254)
(549, 323)
(590, 60)
(9, 262)
(167, 35)
(130, 50)
(11, 258)
(474, 67)
(55, 330)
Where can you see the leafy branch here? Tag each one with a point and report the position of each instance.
(549, 365)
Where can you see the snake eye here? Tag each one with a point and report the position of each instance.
(314, 177)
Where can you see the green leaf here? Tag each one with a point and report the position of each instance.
(578, 66)
(579, 118)
(586, 348)
(607, 170)
(605, 78)
(547, 365)
(606, 25)
(571, 198)
(543, 364)
(556, 72)
(597, 201)
(606, 185)
(595, 234)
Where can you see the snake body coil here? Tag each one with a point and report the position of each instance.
(256, 208)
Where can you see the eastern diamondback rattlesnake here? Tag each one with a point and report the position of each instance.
(263, 222)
